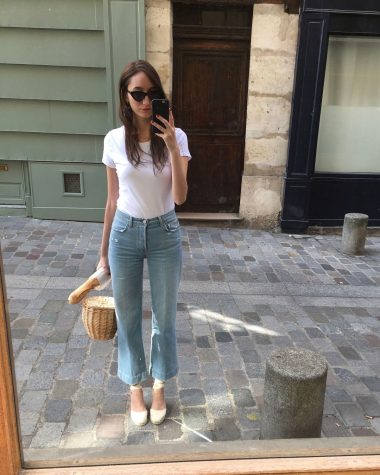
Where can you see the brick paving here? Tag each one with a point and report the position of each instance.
(244, 293)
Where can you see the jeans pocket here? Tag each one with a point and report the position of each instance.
(171, 225)
(120, 225)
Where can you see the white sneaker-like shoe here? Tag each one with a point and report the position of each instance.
(140, 418)
(157, 415)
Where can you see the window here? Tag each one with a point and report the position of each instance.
(349, 139)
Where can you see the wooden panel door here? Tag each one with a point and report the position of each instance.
(209, 102)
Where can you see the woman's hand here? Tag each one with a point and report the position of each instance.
(167, 132)
(103, 263)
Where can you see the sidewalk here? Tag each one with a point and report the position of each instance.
(244, 293)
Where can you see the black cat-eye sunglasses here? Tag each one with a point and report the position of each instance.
(139, 96)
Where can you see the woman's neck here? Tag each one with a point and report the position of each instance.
(143, 130)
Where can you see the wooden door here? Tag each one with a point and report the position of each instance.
(210, 83)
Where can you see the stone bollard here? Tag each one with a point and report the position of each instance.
(294, 394)
(354, 233)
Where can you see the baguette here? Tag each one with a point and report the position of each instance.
(78, 294)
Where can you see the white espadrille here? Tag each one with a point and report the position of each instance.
(140, 418)
(157, 415)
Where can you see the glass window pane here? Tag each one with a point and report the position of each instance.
(349, 131)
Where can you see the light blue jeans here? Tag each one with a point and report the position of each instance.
(158, 240)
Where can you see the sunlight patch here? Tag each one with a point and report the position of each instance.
(205, 315)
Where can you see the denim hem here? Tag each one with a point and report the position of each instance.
(165, 377)
(133, 380)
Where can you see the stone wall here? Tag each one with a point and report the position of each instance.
(273, 51)
(158, 20)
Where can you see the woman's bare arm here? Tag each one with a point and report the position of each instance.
(179, 173)
(112, 196)
(179, 164)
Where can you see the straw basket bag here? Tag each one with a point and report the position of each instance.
(99, 319)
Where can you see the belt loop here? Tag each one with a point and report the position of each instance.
(130, 223)
(161, 220)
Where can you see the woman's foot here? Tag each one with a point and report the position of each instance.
(158, 409)
(139, 413)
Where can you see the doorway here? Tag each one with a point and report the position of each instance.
(210, 82)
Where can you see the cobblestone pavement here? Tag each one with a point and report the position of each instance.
(244, 293)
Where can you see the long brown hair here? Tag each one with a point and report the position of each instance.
(157, 145)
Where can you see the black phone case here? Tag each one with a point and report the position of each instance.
(159, 107)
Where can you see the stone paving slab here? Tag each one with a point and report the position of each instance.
(338, 301)
(25, 282)
(326, 290)
(24, 293)
(244, 294)
(257, 289)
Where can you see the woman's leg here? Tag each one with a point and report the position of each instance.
(158, 409)
(139, 412)
(164, 255)
(126, 258)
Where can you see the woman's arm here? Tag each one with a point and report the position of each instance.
(112, 196)
(179, 174)
(179, 164)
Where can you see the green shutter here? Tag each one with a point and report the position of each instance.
(60, 14)
(59, 67)
(125, 41)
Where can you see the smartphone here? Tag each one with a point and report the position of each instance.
(159, 107)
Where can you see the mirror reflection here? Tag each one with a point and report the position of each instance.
(243, 293)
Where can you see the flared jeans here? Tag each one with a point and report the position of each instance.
(159, 241)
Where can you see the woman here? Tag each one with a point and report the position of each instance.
(146, 176)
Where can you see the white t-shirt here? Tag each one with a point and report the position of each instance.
(143, 192)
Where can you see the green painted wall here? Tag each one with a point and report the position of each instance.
(12, 189)
(60, 61)
(55, 203)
